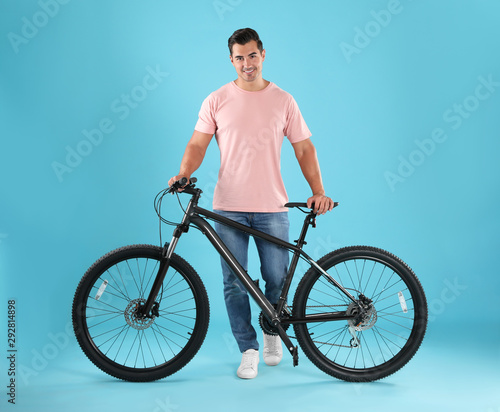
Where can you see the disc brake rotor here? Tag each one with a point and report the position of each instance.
(132, 317)
(367, 321)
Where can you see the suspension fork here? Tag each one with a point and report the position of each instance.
(150, 308)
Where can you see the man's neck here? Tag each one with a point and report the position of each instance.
(254, 86)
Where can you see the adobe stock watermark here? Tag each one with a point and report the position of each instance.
(165, 405)
(209, 182)
(230, 341)
(451, 291)
(121, 107)
(30, 27)
(41, 358)
(255, 146)
(453, 117)
(225, 6)
(323, 246)
(363, 36)
(59, 341)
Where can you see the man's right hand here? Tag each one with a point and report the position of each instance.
(176, 178)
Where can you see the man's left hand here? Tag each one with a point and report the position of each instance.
(322, 204)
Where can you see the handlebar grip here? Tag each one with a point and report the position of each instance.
(184, 181)
(178, 184)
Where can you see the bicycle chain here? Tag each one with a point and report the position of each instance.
(327, 306)
(326, 343)
(334, 344)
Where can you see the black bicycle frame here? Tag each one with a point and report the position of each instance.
(193, 215)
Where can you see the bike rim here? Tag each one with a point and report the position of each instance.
(120, 337)
(384, 335)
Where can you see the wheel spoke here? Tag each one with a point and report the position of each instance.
(133, 278)
(117, 287)
(118, 296)
(104, 321)
(112, 329)
(382, 329)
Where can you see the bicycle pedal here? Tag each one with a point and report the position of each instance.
(295, 356)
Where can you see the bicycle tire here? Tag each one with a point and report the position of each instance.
(386, 339)
(134, 349)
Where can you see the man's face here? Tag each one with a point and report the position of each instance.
(247, 60)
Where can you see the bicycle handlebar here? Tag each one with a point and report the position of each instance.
(182, 183)
(179, 184)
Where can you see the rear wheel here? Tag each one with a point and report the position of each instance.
(388, 333)
(116, 338)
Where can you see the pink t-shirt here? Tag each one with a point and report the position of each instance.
(249, 128)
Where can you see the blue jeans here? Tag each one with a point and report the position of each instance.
(274, 266)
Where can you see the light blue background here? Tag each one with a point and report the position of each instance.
(368, 111)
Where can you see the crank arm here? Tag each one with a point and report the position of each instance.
(289, 345)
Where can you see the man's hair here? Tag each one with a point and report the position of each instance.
(243, 36)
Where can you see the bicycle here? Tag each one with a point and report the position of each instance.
(141, 312)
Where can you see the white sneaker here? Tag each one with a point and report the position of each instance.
(248, 366)
(273, 352)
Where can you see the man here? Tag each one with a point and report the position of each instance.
(250, 117)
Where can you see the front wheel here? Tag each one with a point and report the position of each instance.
(391, 329)
(108, 325)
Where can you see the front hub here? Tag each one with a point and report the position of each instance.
(134, 316)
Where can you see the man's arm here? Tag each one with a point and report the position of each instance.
(305, 152)
(193, 155)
